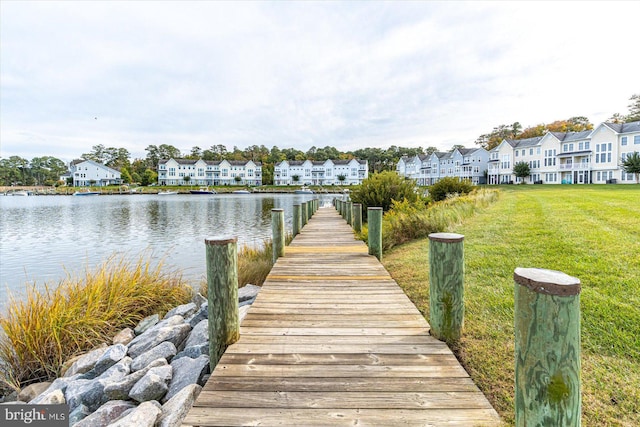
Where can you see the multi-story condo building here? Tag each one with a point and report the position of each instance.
(427, 169)
(329, 172)
(208, 172)
(88, 172)
(568, 157)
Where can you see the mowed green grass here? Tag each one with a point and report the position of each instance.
(590, 232)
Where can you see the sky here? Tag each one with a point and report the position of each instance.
(301, 74)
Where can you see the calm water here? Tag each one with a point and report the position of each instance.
(43, 237)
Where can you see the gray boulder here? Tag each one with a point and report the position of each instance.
(176, 408)
(186, 371)
(58, 384)
(78, 414)
(146, 323)
(89, 393)
(110, 357)
(144, 415)
(184, 310)
(198, 299)
(198, 316)
(164, 350)
(32, 390)
(199, 334)
(119, 390)
(248, 292)
(56, 397)
(106, 414)
(194, 351)
(174, 334)
(153, 385)
(246, 302)
(171, 321)
(124, 336)
(85, 363)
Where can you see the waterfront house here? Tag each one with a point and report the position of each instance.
(329, 172)
(87, 172)
(427, 169)
(587, 157)
(208, 172)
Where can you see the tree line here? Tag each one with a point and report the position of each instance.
(47, 170)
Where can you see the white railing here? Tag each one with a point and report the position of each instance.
(575, 166)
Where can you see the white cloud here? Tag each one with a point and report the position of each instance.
(300, 74)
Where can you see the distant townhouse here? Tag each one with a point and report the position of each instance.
(588, 157)
(464, 163)
(207, 172)
(329, 172)
(87, 172)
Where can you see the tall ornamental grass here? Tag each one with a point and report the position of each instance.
(407, 221)
(48, 326)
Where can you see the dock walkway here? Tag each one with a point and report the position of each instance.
(333, 340)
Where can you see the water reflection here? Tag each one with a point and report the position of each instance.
(42, 236)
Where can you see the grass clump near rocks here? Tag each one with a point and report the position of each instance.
(47, 326)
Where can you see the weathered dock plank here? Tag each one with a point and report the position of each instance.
(332, 340)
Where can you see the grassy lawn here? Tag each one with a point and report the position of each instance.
(590, 232)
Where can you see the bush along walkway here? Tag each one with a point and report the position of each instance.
(149, 376)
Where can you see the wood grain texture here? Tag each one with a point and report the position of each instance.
(547, 350)
(446, 291)
(332, 340)
(222, 289)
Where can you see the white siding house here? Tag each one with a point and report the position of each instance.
(88, 172)
(588, 157)
(464, 163)
(207, 172)
(329, 172)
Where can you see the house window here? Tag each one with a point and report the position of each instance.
(225, 172)
(172, 171)
(623, 140)
(636, 139)
(517, 154)
(581, 146)
(307, 172)
(531, 151)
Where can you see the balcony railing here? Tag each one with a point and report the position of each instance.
(575, 166)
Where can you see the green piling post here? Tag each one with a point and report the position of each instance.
(547, 348)
(446, 285)
(304, 216)
(349, 213)
(357, 217)
(277, 230)
(296, 220)
(222, 288)
(374, 216)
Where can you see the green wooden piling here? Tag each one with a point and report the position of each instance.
(375, 232)
(357, 217)
(349, 213)
(547, 348)
(304, 217)
(222, 287)
(297, 224)
(277, 229)
(446, 289)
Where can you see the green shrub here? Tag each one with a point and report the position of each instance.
(449, 185)
(381, 189)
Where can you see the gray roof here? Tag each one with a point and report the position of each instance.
(625, 127)
(465, 151)
(576, 136)
(521, 143)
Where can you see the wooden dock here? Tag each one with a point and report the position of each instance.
(333, 340)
